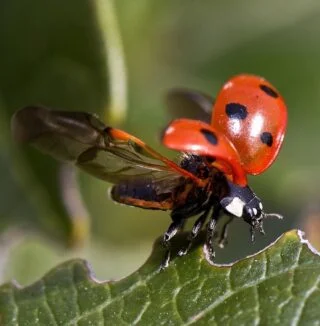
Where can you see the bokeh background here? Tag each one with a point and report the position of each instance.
(98, 56)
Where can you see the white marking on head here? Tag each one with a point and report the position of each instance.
(255, 211)
(236, 207)
(260, 206)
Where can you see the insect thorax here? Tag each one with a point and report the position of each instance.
(191, 199)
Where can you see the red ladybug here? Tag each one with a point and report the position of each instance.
(242, 137)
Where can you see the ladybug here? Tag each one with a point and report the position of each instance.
(239, 133)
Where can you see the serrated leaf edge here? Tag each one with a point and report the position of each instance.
(301, 236)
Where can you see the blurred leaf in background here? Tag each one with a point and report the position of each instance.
(56, 54)
(52, 57)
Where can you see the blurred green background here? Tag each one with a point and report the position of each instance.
(69, 55)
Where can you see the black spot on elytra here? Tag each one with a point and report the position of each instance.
(269, 91)
(266, 138)
(236, 111)
(210, 136)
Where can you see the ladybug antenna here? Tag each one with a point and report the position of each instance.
(280, 217)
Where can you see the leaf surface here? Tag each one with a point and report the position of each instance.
(279, 285)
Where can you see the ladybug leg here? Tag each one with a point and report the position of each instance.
(210, 232)
(174, 227)
(194, 232)
(222, 239)
(256, 225)
(252, 233)
(261, 229)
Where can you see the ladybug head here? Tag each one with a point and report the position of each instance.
(243, 202)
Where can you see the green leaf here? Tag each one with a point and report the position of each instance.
(279, 285)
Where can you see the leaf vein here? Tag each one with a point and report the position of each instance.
(258, 306)
(76, 297)
(228, 294)
(104, 305)
(175, 295)
(228, 280)
(15, 304)
(265, 267)
(175, 305)
(303, 301)
(140, 315)
(285, 302)
(50, 310)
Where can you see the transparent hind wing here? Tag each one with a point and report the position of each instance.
(83, 140)
(187, 103)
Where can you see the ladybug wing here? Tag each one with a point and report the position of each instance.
(202, 139)
(253, 115)
(182, 102)
(82, 139)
